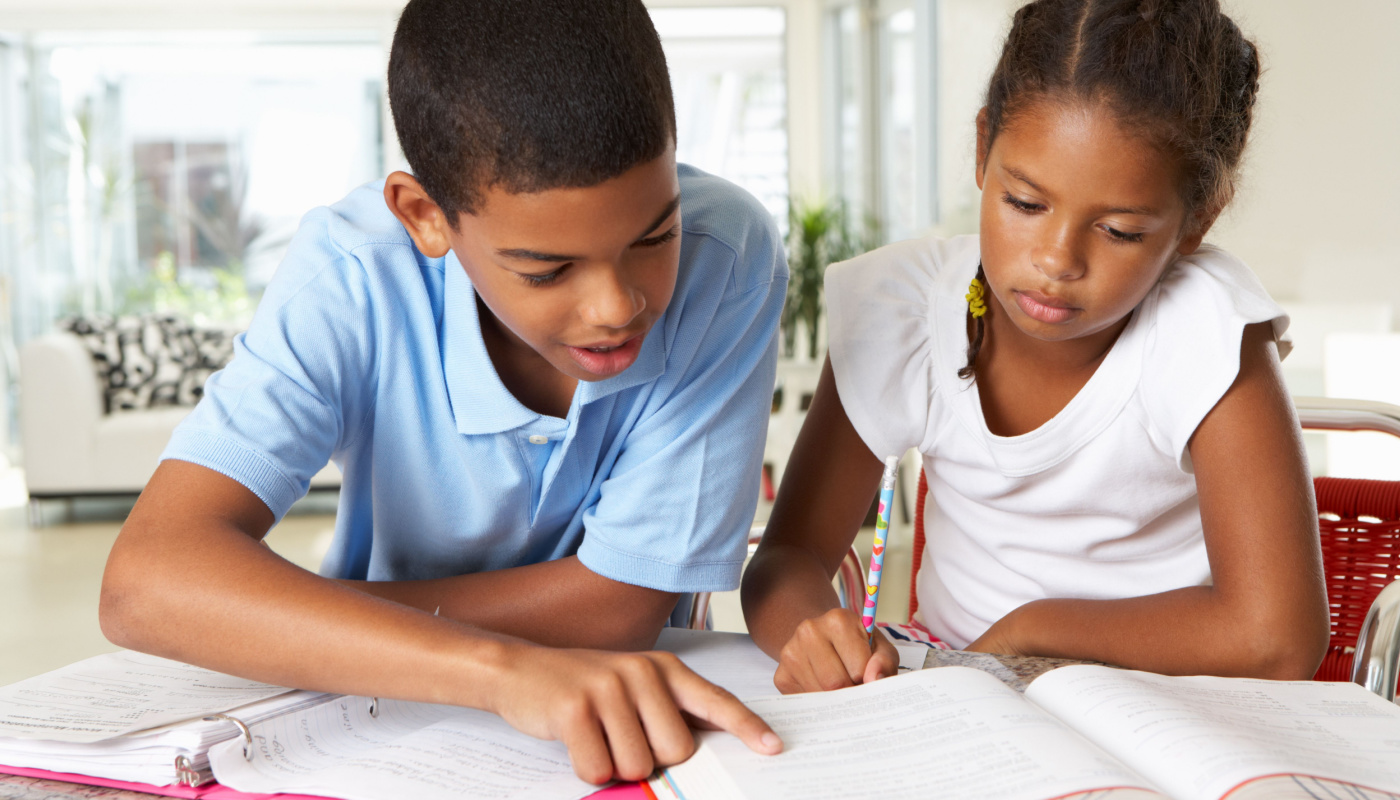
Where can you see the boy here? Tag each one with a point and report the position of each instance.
(543, 364)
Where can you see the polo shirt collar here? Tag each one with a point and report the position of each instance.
(481, 403)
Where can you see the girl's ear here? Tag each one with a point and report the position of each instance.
(1200, 223)
(983, 146)
(421, 217)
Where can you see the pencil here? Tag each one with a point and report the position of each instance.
(877, 552)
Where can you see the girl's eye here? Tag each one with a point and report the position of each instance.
(657, 241)
(542, 280)
(1119, 236)
(1020, 205)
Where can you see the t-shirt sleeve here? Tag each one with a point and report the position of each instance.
(675, 510)
(878, 308)
(291, 396)
(1192, 352)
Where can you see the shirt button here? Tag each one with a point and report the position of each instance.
(538, 439)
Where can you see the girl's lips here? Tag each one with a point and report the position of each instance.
(1041, 308)
(607, 362)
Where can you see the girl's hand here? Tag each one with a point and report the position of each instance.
(621, 715)
(832, 652)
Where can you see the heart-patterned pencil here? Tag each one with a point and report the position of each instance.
(877, 553)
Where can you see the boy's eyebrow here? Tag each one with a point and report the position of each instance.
(1145, 211)
(535, 255)
(660, 218)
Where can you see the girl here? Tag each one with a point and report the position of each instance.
(1095, 394)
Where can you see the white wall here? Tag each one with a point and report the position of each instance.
(1319, 209)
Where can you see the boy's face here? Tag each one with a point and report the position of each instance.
(577, 275)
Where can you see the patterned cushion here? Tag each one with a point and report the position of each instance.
(152, 360)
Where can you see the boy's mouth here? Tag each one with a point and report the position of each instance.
(606, 359)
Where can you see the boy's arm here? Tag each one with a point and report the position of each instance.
(1266, 613)
(187, 579)
(791, 610)
(557, 603)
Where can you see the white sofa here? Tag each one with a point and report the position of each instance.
(71, 447)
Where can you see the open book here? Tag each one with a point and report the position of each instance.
(1078, 731)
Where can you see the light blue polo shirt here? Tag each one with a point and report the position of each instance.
(366, 352)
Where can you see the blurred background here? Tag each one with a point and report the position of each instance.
(155, 158)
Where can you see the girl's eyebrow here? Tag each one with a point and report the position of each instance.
(1145, 211)
(524, 254)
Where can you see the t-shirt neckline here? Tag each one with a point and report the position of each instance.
(1092, 409)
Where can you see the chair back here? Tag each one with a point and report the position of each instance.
(1360, 523)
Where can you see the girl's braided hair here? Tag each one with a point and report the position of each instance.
(1180, 71)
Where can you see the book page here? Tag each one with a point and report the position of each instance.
(729, 660)
(1200, 737)
(411, 750)
(957, 732)
(118, 693)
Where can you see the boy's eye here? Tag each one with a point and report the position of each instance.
(1019, 204)
(1120, 236)
(657, 241)
(542, 280)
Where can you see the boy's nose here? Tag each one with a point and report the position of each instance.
(613, 303)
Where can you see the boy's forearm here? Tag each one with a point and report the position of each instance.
(233, 606)
(559, 603)
(1185, 631)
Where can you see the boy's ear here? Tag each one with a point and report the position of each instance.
(421, 217)
(983, 146)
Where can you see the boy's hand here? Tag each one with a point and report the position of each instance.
(621, 714)
(833, 652)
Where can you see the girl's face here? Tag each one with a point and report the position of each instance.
(1080, 217)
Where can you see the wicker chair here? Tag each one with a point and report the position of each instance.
(1360, 524)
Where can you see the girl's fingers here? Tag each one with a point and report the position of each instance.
(829, 670)
(884, 662)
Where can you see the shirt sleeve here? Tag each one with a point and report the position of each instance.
(881, 352)
(1199, 311)
(675, 510)
(288, 400)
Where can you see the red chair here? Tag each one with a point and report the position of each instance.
(1360, 524)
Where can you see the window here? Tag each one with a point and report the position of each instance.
(881, 91)
(136, 159)
(728, 78)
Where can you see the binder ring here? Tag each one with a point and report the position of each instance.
(243, 729)
(187, 775)
(374, 707)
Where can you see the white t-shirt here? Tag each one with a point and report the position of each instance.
(1099, 502)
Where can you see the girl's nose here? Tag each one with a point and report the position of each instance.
(612, 301)
(1057, 256)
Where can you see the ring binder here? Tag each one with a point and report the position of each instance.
(374, 707)
(187, 775)
(242, 728)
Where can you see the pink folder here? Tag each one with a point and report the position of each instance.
(213, 791)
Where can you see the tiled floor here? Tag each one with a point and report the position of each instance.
(50, 575)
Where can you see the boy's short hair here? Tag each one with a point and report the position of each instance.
(527, 95)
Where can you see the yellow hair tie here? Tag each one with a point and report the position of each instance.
(976, 298)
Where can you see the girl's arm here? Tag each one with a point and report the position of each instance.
(791, 610)
(188, 579)
(1266, 614)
